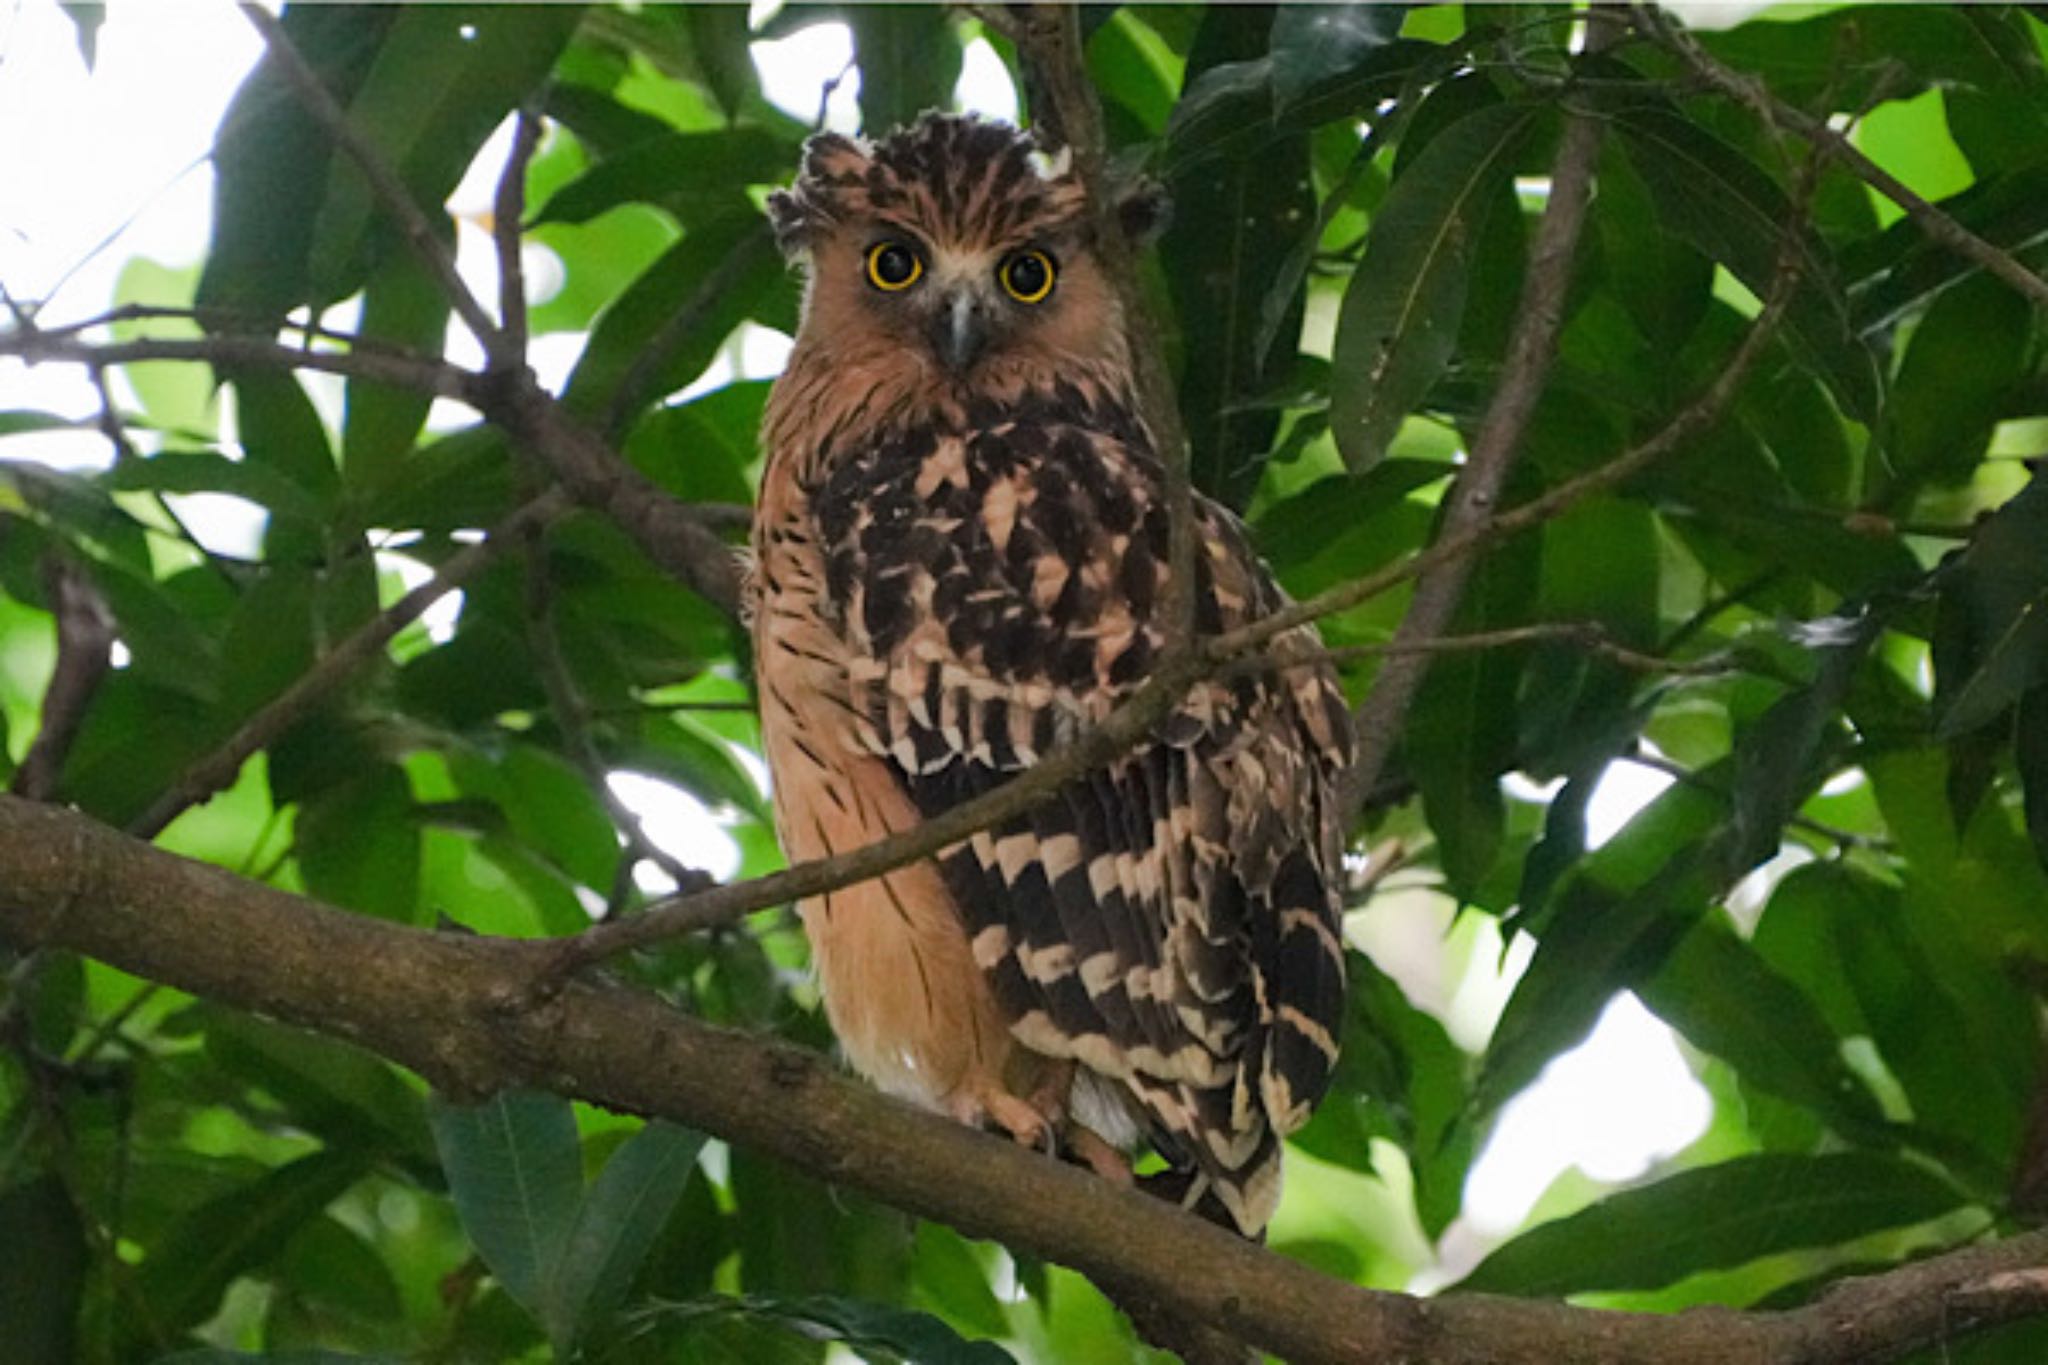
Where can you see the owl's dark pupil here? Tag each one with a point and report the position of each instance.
(1027, 274)
(894, 265)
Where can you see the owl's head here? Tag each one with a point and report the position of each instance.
(957, 240)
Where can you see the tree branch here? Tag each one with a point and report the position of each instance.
(85, 651)
(1531, 346)
(454, 1008)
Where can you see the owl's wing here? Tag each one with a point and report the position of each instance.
(1169, 922)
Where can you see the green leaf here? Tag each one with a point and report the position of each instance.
(689, 174)
(273, 161)
(403, 306)
(209, 471)
(215, 1355)
(1220, 266)
(346, 1096)
(1715, 1218)
(864, 1326)
(1399, 322)
(550, 807)
(187, 1270)
(714, 277)
(1708, 193)
(952, 1277)
(1727, 1000)
(1966, 352)
(281, 432)
(42, 1278)
(2030, 753)
(1315, 44)
(515, 1169)
(719, 39)
(439, 84)
(1991, 631)
(358, 847)
(1461, 730)
(909, 60)
(616, 1226)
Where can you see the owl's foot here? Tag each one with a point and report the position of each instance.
(985, 1099)
(1098, 1154)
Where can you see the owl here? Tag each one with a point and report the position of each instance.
(960, 563)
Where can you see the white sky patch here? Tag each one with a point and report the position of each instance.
(1622, 791)
(985, 86)
(795, 70)
(223, 523)
(1612, 1106)
(679, 824)
(437, 620)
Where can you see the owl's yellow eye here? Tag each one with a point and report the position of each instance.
(1027, 276)
(892, 266)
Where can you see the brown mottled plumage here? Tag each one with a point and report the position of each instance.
(960, 547)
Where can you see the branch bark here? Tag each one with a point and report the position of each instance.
(455, 1009)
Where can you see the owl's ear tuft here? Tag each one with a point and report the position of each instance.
(792, 222)
(1144, 210)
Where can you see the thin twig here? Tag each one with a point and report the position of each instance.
(216, 770)
(1590, 636)
(1939, 227)
(508, 216)
(1678, 772)
(85, 651)
(418, 374)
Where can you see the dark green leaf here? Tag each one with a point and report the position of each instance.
(1968, 349)
(515, 1169)
(403, 306)
(615, 1228)
(1725, 998)
(184, 1274)
(1399, 323)
(690, 174)
(208, 471)
(358, 847)
(1711, 195)
(1991, 639)
(1315, 44)
(273, 161)
(344, 1095)
(42, 1278)
(719, 39)
(710, 280)
(2030, 753)
(1714, 1218)
(441, 82)
(864, 1326)
(909, 62)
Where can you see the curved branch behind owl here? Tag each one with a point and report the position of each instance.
(961, 556)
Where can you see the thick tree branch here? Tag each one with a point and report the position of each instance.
(1531, 346)
(455, 1009)
(1776, 113)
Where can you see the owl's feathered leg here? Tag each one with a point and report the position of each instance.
(1098, 1154)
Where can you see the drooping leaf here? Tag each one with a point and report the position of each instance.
(1713, 1218)
(515, 1170)
(1314, 44)
(615, 1227)
(358, 847)
(904, 1335)
(1991, 638)
(345, 1096)
(403, 306)
(685, 173)
(1399, 323)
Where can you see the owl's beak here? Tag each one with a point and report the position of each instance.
(959, 330)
